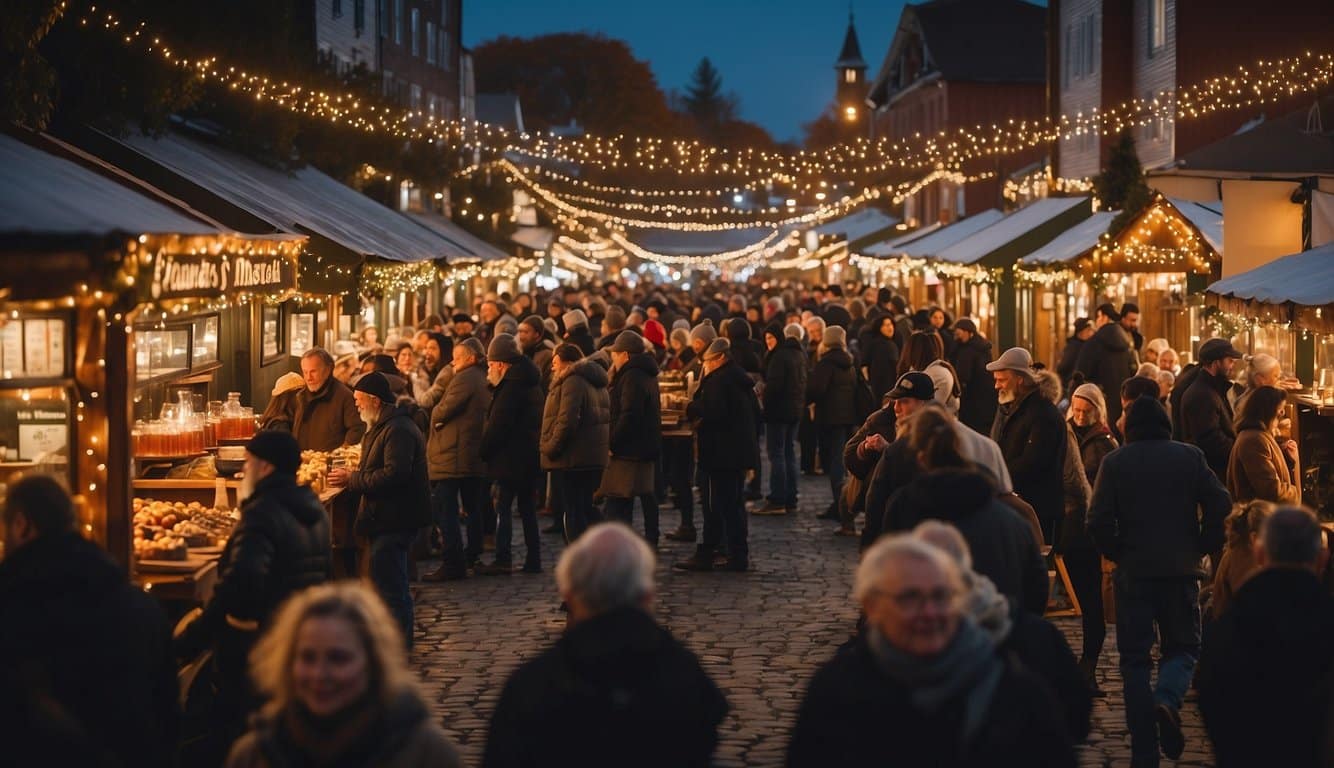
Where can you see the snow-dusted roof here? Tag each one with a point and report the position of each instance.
(934, 243)
(1207, 217)
(857, 225)
(1305, 278)
(1008, 229)
(892, 246)
(1072, 243)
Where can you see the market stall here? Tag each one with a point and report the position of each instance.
(1050, 293)
(1294, 296)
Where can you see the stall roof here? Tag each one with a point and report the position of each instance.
(934, 243)
(673, 242)
(1072, 243)
(476, 248)
(892, 246)
(45, 195)
(303, 200)
(857, 225)
(1305, 278)
(1008, 229)
(1207, 217)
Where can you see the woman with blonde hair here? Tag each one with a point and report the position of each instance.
(339, 690)
(1238, 560)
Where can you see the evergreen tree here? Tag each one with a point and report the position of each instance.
(705, 101)
(1121, 184)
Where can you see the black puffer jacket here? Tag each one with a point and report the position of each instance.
(1206, 420)
(896, 469)
(1069, 359)
(1108, 359)
(636, 410)
(785, 383)
(86, 672)
(1157, 508)
(604, 695)
(1001, 541)
(744, 350)
(832, 389)
(281, 546)
(1031, 435)
(977, 404)
(576, 418)
(881, 356)
(392, 480)
(725, 410)
(514, 425)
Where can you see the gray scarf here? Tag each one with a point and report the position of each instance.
(969, 667)
(988, 607)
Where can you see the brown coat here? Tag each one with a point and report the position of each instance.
(327, 419)
(1234, 568)
(1257, 469)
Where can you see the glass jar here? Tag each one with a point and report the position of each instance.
(232, 414)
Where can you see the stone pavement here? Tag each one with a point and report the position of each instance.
(759, 635)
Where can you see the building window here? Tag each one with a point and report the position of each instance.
(432, 52)
(445, 61)
(398, 21)
(359, 16)
(416, 32)
(1090, 43)
(444, 15)
(849, 75)
(1157, 26)
(337, 9)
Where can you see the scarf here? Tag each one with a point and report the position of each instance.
(968, 667)
(988, 607)
(329, 740)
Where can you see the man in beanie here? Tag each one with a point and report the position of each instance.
(635, 434)
(1108, 358)
(701, 336)
(1157, 509)
(536, 345)
(1032, 436)
(724, 409)
(972, 352)
(612, 325)
(463, 327)
(281, 545)
(832, 392)
(1206, 413)
(454, 460)
(784, 400)
(509, 448)
(395, 491)
(576, 330)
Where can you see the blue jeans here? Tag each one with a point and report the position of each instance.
(388, 571)
(445, 508)
(1174, 606)
(505, 495)
(781, 442)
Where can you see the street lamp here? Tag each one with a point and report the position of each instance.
(850, 113)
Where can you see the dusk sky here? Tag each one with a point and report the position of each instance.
(777, 55)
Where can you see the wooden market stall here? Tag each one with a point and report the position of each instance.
(94, 269)
(1293, 296)
(1050, 293)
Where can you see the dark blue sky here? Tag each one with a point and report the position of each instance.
(777, 55)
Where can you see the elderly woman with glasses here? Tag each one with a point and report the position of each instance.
(924, 683)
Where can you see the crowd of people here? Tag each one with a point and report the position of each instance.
(963, 467)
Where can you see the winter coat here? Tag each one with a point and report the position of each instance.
(457, 421)
(832, 389)
(86, 670)
(1188, 376)
(1147, 503)
(881, 423)
(514, 426)
(636, 410)
(1206, 420)
(895, 470)
(1258, 469)
(1095, 442)
(392, 479)
(1041, 647)
(1069, 358)
(1000, 540)
(977, 403)
(853, 714)
(1236, 565)
(1031, 434)
(604, 695)
(1265, 673)
(327, 419)
(576, 418)
(404, 736)
(1078, 490)
(785, 383)
(1107, 359)
(430, 396)
(540, 353)
(725, 411)
(880, 355)
(281, 546)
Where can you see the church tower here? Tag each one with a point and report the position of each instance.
(851, 91)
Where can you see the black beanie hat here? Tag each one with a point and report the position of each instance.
(278, 448)
(374, 383)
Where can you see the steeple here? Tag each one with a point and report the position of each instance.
(851, 55)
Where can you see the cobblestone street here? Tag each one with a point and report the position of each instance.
(759, 635)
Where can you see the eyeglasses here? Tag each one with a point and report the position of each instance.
(914, 600)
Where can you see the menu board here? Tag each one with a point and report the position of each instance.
(33, 348)
(35, 429)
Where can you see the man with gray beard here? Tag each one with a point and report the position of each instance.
(395, 495)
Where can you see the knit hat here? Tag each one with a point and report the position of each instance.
(507, 324)
(461, 317)
(278, 448)
(628, 342)
(718, 348)
(964, 324)
(614, 319)
(1093, 394)
(574, 318)
(943, 381)
(1081, 323)
(374, 383)
(883, 296)
(681, 336)
(655, 333)
(794, 331)
(473, 345)
(834, 338)
(681, 324)
(504, 349)
(1014, 359)
(287, 382)
(704, 332)
(535, 323)
(737, 328)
